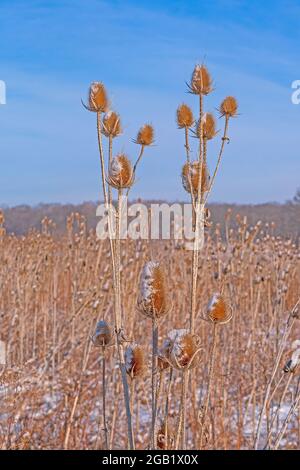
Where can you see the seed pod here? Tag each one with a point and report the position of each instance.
(120, 173)
(111, 125)
(208, 127)
(183, 349)
(145, 135)
(185, 116)
(153, 299)
(201, 83)
(217, 310)
(229, 107)
(102, 335)
(98, 100)
(190, 174)
(134, 361)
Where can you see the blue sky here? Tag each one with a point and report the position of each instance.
(145, 52)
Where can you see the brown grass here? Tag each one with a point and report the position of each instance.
(53, 292)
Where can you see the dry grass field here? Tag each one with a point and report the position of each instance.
(53, 292)
(152, 344)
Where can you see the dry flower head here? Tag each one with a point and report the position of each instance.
(185, 116)
(201, 82)
(145, 135)
(229, 107)
(182, 349)
(103, 335)
(218, 311)
(111, 125)
(98, 101)
(208, 127)
(135, 361)
(120, 174)
(153, 299)
(191, 177)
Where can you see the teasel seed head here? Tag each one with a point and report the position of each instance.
(229, 107)
(120, 173)
(201, 82)
(208, 127)
(161, 437)
(135, 361)
(218, 311)
(145, 135)
(111, 125)
(98, 101)
(185, 116)
(183, 349)
(153, 299)
(190, 177)
(103, 335)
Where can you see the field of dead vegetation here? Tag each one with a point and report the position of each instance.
(54, 291)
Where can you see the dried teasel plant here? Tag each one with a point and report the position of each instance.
(153, 302)
(181, 349)
(135, 368)
(103, 338)
(289, 369)
(198, 184)
(218, 312)
(195, 175)
(116, 174)
(144, 138)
